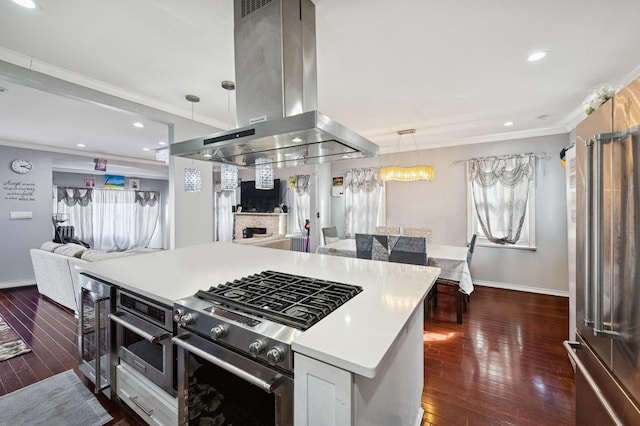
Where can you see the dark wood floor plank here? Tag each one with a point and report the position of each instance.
(51, 332)
(505, 365)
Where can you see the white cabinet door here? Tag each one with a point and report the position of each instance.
(322, 394)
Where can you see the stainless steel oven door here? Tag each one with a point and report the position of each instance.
(220, 386)
(147, 348)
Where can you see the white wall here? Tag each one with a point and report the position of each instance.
(18, 236)
(441, 205)
(191, 213)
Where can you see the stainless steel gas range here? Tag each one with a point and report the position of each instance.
(239, 334)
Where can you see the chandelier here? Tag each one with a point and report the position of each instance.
(406, 174)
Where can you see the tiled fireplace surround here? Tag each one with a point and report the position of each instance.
(276, 223)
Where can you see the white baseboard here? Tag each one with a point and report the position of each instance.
(11, 284)
(517, 287)
(418, 421)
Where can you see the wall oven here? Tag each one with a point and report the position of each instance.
(144, 329)
(235, 359)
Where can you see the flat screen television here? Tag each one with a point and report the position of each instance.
(259, 200)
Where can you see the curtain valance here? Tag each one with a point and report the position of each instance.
(72, 196)
(366, 180)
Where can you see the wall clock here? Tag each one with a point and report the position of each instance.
(21, 166)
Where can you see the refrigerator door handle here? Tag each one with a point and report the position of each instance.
(595, 249)
(571, 347)
(588, 224)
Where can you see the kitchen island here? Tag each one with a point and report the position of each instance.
(361, 364)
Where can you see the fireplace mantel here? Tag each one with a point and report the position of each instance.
(276, 223)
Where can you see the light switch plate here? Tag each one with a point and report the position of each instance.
(21, 215)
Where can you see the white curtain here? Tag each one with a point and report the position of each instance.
(300, 203)
(76, 202)
(225, 200)
(363, 192)
(500, 190)
(111, 219)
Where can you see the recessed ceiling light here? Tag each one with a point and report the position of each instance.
(207, 155)
(162, 143)
(296, 140)
(29, 4)
(146, 149)
(536, 56)
(80, 145)
(138, 124)
(508, 123)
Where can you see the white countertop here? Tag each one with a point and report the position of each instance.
(355, 337)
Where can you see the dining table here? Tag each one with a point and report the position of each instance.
(452, 260)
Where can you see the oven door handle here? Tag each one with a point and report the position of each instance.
(268, 386)
(152, 334)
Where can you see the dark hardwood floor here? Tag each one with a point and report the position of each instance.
(505, 365)
(51, 332)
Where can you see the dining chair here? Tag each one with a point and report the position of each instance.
(388, 230)
(330, 235)
(461, 299)
(408, 249)
(418, 232)
(374, 247)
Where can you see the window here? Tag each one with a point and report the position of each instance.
(501, 200)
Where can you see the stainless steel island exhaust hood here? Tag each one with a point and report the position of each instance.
(276, 96)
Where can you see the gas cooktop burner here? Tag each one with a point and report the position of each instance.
(288, 299)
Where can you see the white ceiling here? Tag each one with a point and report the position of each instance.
(453, 70)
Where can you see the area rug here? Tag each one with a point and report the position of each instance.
(10, 343)
(58, 400)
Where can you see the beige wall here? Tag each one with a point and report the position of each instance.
(441, 205)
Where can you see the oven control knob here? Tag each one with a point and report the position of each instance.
(186, 319)
(177, 314)
(218, 332)
(256, 348)
(275, 355)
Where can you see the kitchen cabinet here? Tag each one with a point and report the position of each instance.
(151, 403)
(326, 395)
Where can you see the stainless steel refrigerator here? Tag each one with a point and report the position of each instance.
(607, 347)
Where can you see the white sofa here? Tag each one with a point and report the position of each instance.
(55, 273)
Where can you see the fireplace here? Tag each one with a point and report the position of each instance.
(249, 232)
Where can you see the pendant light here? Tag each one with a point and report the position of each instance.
(264, 174)
(228, 172)
(406, 174)
(228, 177)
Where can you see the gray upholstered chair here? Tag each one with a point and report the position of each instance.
(418, 232)
(387, 230)
(374, 247)
(408, 249)
(329, 234)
